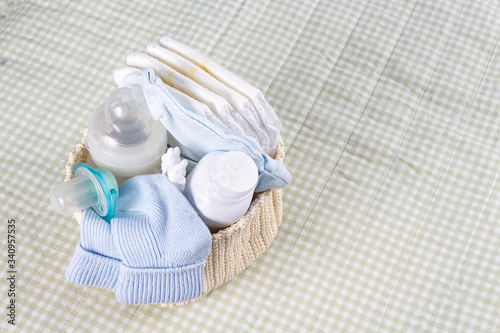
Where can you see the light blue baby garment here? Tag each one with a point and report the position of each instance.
(199, 135)
(162, 243)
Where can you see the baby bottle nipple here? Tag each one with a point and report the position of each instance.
(127, 115)
(96, 188)
(122, 135)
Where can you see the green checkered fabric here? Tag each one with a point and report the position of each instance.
(391, 120)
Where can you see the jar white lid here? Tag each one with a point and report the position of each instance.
(234, 175)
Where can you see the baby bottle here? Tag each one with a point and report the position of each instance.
(221, 186)
(123, 137)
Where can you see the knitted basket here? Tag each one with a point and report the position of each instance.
(233, 248)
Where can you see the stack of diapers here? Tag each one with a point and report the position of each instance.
(204, 107)
(235, 105)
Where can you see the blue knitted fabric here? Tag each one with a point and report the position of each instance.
(162, 243)
(95, 262)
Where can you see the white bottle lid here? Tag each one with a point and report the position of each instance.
(234, 175)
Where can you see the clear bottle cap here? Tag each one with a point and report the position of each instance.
(123, 137)
(127, 116)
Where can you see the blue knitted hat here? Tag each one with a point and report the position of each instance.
(96, 261)
(161, 241)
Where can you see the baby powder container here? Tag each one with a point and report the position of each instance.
(221, 187)
(123, 137)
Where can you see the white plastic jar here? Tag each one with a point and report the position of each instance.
(221, 187)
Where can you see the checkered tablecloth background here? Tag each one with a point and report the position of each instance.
(391, 120)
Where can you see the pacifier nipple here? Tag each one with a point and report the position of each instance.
(95, 188)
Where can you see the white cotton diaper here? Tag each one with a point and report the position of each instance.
(266, 112)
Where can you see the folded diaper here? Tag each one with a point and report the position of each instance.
(152, 251)
(265, 110)
(162, 243)
(199, 135)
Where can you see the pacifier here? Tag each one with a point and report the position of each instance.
(123, 137)
(96, 188)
